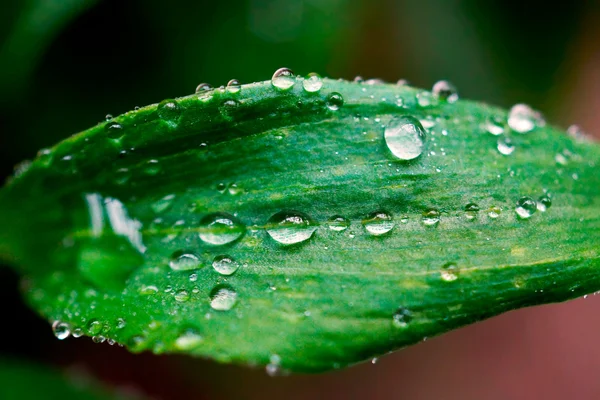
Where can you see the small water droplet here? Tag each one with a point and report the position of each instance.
(182, 296)
(544, 203)
(338, 223)
(98, 339)
(283, 79)
(312, 83)
(221, 187)
(425, 99)
(221, 228)
(446, 91)
(471, 211)
(114, 130)
(184, 261)
(335, 101)
(374, 360)
(505, 146)
(223, 298)
(94, 327)
(526, 207)
(203, 87)
(108, 117)
(233, 86)
(121, 323)
(152, 167)
(405, 137)
(188, 340)
(494, 212)
(401, 318)
(225, 265)
(168, 110)
(136, 343)
(148, 290)
(234, 189)
(77, 333)
(523, 119)
(290, 227)
(494, 125)
(61, 330)
(402, 82)
(431, 217)
(162, 204)
(449, 272)
(378, 223)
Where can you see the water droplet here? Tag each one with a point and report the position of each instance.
(494, 125)
(273, 368)
(163, 204)
(136, 343)
(290, 227)
(312, 83)
(405, 137)
(120, 323)
(234, 86)
(378, 223)
(94, 327)
(114, 130)
(225, 265)
(526, 207)
(203, 87)
(188, 340)
(374, 360)
(494, 212)
(168, 110)
(283, 79)
(223, 298)
(523, 119)
(338, 223)
(184, 261)
(98, 339)
(220, 228)
(182, 296)
(193, 277)
(471, 211)
(152, 167)
(505, 146)
(234, 189)
(544, 203)
(221, 187)
(402, 82)
(449, 272)
(148, 290)
(446, 91)
(425, 99)
(77, 333)
(108, 117)
(431, 217)
(401, 318)
(61, 330)
(335, 101)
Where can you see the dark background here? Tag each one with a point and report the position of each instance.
(65, 64)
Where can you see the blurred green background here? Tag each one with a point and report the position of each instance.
(65, 64)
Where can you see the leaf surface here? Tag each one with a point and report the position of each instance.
(301, 230)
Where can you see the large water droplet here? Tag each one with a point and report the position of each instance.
(401, 318)
(221, 228)
(61, 330)
(312, 83)
(526, 207)
(378, 223)
(471, 211)
(338, 223)
(283, 79)
(184, 261)
(431, 217)
(290, 227)
(523, 119)
(446, 91)
(188, 340)
(223, 298)
(225, 265)
(335, 101)
(168, 110)
(405, 137)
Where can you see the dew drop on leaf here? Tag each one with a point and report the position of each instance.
(431, 217)
(223, 298)
(203, 87)
(94, 327)
(494, 125)
(283, 79)
(114, 130)
(405, 137)
(505, 146)
(233, 86)
(61, 330)
(225, 265)
(338, 223)
(312, 83)
(401, 318)
(184, 261)
(182, 296)
(449, 272)
(523, 119)
(544, 203)
(378, 223)
(290, 227)
(220, 228)
(335, 101)
(188, 340)
(526, 207)
(494, 212)
(471, 211)
(445, 91)
(168, 110)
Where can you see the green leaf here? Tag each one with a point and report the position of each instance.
(253, 226)
(19, 380)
